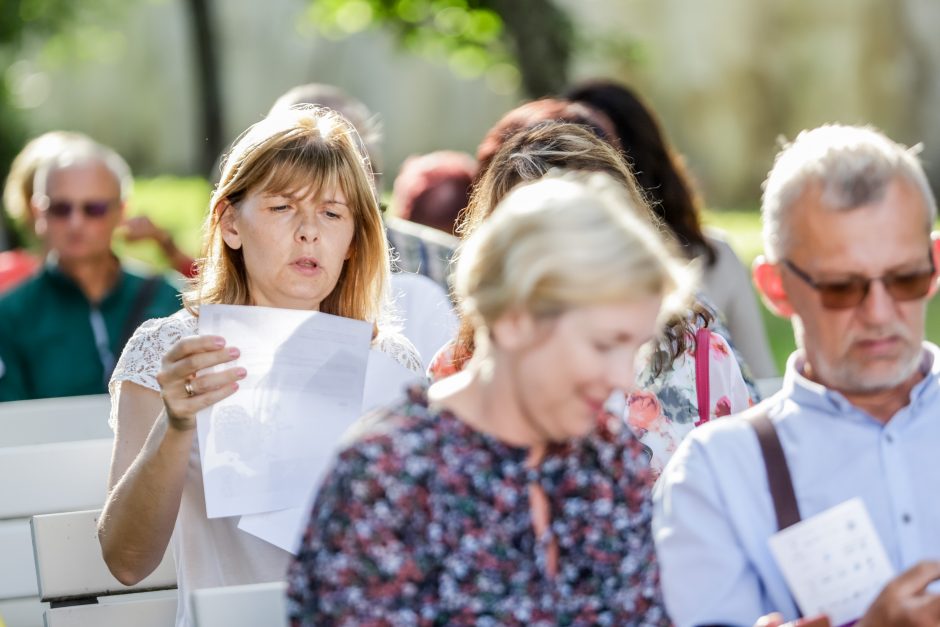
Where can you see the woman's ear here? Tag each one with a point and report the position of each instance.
(769, 283)
(227, 224)
(513, 330)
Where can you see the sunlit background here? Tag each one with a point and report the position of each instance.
(170, 83)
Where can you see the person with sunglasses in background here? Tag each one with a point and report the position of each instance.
(851, 261)
(62, 330)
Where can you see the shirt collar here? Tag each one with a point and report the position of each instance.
(55, 274)
(806, 392)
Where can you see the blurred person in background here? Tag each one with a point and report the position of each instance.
(505, 494)
(61, 331)
(661, 175)
(294, 224)
(18, 264)
(675, 390)
(433, 189)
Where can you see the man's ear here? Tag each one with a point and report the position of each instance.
(513, 330)
(935, 255)
(769, 283)
(227, 224)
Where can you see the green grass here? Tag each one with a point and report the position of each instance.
(180, 204)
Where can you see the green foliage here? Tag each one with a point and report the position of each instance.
(467, 34)
(39, 17)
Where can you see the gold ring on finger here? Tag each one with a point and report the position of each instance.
(189, 388)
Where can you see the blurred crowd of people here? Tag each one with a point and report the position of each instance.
(591, 446)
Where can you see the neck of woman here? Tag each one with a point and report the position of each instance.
(487, 397)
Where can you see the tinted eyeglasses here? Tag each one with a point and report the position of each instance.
(845, 294)
(92, 208)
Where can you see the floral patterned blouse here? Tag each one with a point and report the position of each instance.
(663, 408)
(426, 521)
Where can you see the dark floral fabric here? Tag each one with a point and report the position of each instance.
(425, 521)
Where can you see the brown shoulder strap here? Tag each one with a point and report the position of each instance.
(778, 473)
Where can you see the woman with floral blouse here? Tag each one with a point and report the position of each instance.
(505, 495)
(665, 407)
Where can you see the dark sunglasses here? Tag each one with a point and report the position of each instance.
(850, 293)
(92, 208)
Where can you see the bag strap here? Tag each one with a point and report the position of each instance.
(136, 313)
(778, 473)
(702, 386)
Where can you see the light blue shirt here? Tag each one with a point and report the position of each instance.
(713, 512)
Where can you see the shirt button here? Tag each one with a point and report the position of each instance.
(889, 438)
(905, 518)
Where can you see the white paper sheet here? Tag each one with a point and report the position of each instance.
(304, 388)
(834, 562)
(385, 383)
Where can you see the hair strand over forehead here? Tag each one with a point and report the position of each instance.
(309, 150)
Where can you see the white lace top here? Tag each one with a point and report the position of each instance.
(211, 553)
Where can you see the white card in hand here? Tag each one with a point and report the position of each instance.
(833, 562)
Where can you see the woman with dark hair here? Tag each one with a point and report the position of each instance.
(661, 175)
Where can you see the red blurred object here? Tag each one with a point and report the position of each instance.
(15, 267)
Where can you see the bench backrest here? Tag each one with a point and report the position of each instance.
(241, 606)
(71, 571)
(48, 420)
(41, 479)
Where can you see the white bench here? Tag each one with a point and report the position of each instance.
(40, 479)
(80, 589)
(54, 456)
(54, 420)
(242, 606)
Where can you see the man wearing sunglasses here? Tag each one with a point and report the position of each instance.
(61, 331)
(847, 216)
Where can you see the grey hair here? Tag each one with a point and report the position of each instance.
(853, 164)
(81, 153)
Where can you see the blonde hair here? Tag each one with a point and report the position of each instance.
(565, 241)
(290, 150)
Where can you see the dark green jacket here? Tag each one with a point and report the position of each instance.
(53, 342)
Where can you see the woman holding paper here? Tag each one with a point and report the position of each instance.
(293, 224)
(505, 494)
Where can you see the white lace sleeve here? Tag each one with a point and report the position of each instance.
(140, 361)
(397, 346)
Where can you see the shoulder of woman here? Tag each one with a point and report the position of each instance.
(618, 450)
(399, 348)
(172, 328)
(140, 358)
(392, 438)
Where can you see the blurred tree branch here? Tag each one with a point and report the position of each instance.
(507, 41)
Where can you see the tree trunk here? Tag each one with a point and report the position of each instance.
(208, 84)
(541, 37)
